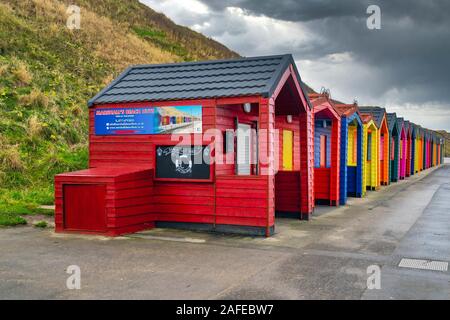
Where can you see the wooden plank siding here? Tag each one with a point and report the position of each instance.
(335, 161)
(287, 183)
(394, 155)
(344, 160)
(243, 201)
(326, 184)
(229, 199)
(307, 201)
(359, 170)
(383, 169)
(225, 118)
(280, 125)
(370, 175)
(140, 149)
(351, 176)
(128, 200)
(408, 152)
(413, 151)
(403, 150)
(417, 156)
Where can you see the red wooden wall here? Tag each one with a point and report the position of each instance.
(281, 124)
(327, 180)
(287, 183)
(244, 201)
(229, 199)
(307, 163)
(235, 200)
(225, 119)
(138, 149)
(192, 202)
(127, 201)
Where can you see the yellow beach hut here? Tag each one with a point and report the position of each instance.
(370, 153)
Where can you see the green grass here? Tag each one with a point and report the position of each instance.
(47, 75)
(43, 128)
(40, 224)
(14, 204)
(9, 220)
(160, 39)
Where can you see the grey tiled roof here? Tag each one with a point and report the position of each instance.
(419, 131)
(376, 112)
(408, 126)
(400, 123)
(406, 123)
(415, 128)
(392, 121)
(198, 80)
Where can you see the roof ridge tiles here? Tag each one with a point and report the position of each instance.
(226, 78)
(236, 73)
(135, 69)
(205, 62)
(184, 90)
(185, 82)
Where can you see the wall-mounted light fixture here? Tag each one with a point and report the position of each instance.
(247, 107)
(289, 118)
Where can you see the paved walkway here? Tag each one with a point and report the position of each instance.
(326, 258)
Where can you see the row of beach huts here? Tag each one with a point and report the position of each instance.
(327, 150)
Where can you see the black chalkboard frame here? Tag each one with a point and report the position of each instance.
(211, 167)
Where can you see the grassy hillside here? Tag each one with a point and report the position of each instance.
(48, 72)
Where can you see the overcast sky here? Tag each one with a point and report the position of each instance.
(404, 66)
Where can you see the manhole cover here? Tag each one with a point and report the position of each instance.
(424, 264)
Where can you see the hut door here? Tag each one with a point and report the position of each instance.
(287, 149)
(243, 159)
(85, 207)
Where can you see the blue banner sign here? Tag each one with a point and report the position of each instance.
(148, 120)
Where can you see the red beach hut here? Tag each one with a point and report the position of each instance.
(327, 131)
(221, 171)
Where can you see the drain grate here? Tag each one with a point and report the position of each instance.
(424, 264)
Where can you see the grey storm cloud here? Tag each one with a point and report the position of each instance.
(412, 49)
(434, 11)
(404, 66)
(292, 10)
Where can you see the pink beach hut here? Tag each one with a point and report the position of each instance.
(403, 147)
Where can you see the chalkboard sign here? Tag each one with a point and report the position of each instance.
(183, 162)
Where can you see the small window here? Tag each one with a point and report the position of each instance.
(323, 151)
(369, 146)
(228, 146)
(382, 147)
